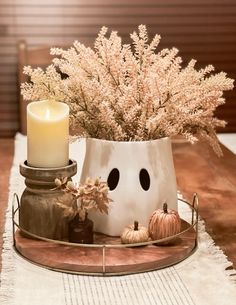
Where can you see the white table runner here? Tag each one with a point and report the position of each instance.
(199, 280)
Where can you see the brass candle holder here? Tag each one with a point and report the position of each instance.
(39, 213)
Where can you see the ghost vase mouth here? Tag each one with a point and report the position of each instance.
(140, 176)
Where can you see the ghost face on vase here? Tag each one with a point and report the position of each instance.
(140, 176)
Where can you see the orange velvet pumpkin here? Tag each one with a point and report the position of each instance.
(164, 223)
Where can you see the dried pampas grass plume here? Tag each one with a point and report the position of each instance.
(131, 92)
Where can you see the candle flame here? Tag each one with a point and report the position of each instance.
(47, 114)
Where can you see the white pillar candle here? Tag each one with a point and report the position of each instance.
(47, 134)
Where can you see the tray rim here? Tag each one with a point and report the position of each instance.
(104, 273)
(193, 225)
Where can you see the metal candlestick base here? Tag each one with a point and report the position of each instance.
(39, 212)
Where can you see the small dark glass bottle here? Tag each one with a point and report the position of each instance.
(81, 231)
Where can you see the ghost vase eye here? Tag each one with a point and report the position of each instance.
(113, 179)
(144, 179)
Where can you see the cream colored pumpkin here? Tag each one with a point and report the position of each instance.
(134, 234)
(164, 223)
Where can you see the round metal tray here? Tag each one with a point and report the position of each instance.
(107, 256)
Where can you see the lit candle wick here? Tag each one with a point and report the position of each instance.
(47, 114)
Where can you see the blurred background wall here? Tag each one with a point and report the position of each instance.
(200, 29)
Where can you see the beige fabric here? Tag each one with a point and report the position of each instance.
(200, 279)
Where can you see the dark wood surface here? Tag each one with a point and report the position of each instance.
(6, 157)
(197, 170)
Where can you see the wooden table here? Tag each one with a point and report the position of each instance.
(198, 170)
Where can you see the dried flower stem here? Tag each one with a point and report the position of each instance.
(93, 194)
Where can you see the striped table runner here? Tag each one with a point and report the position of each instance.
(164, 287)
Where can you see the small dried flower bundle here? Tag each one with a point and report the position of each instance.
(92, 195)
(131, 93)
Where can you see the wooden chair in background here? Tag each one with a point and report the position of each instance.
(35, 57)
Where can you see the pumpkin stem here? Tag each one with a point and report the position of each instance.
(135, 225)
(165, 208)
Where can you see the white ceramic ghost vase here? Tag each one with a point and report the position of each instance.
(141, 178)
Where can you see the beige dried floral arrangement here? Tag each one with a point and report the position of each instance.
(92, 195)
(128, 92)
